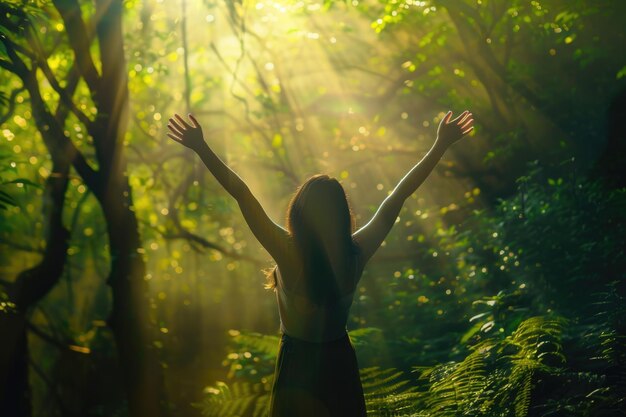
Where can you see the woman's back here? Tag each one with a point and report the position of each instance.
(317, 374)
(303, 317)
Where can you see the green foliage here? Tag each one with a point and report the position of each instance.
(555, 246)
(568, 234)
(240, 399)
(251, 362)
(252, 355)
(387, 392)
(497, 377)
(6, 305)
(6, 199)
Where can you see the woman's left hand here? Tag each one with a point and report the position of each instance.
(451, 131)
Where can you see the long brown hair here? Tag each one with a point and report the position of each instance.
(318, 213)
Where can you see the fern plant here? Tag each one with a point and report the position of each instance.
(497, 377)
(388, 392)
(239, 399)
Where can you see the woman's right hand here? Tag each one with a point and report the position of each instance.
(189, 135)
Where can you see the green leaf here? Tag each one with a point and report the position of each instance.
(24, 181)
(7, 199)
(471, 332)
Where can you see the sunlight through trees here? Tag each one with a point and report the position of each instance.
(131, 285)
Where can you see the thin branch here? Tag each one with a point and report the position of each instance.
(30, 54)
(200, 243)
(281, 168)
(184, 233)
(79, 41)
(52, 387)
(206, 244)
(263, 132)
(66, 98)
(6, 64)
(455, 8)
(54, 134)
(11, 108)
(58, 144)
(16, 65)
(46, 337)
(64, 93)
(20, 246)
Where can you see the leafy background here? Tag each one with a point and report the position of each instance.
(500, 291)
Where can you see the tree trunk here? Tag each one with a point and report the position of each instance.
(25, 292)
(610, 166)
(14, 387)
(130, 316)
(129, 319)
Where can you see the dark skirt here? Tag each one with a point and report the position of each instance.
(317, 380)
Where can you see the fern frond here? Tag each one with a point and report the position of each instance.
(241, 399)
(388, 392)
(261, 343)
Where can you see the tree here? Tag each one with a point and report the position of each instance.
(30, 287)
(25, 55)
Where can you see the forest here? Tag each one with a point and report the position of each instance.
(130, 284)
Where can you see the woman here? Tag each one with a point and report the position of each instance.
(319, 260)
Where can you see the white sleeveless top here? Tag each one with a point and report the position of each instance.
(303, 319)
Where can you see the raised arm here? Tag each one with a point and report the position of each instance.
(370, 236)
(270, 235)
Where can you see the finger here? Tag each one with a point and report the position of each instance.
(469, 115)
(465, 132)
(464, 118)
(467, 124)
(176, 138)
(446, 118)
(460, 116)
(182, 121)
(176, 124)
(175, 129)
(193, 120)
